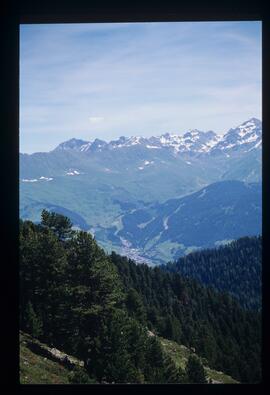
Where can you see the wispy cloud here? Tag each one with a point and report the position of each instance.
(107, 80)
(96, 119)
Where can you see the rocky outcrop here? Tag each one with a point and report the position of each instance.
(52, 353)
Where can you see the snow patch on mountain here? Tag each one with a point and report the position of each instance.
(257, 145)
(42, 178)
(29, 180)
(72, 172)
(165, 223)
(85, 147)
(152, 147)
(46, 178)
(147, 162)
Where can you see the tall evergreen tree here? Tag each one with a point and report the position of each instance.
(195, 371)
(135, 305)
(58, 223)
(33, 322)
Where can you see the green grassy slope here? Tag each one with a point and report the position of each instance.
(40, 364)
(37, 369)
(180, 355)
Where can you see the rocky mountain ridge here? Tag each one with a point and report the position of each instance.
(248, 136)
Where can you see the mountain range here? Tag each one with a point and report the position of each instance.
(246, 136)
(128, 191)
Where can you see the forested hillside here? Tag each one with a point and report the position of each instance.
(99, 308)
(71, 297)
(235, 268)
(181, 309)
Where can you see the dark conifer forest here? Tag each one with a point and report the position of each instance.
(234, 268)
(100, 307)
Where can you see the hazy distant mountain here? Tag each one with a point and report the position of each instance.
(98, 181)
(247, 136)
(183, 163)
(218, 213)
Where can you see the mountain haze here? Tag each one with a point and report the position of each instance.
(212, 216)
(109, 187)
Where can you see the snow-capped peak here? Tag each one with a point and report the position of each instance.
(72, 144)
(192, 133)
(245, 136)
(248, 126)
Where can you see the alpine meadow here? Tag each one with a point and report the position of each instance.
(140, 203)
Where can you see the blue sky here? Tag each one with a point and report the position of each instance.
(110, 79)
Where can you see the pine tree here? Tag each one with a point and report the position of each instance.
(33, 322)
(173, 374)
(195, 371)
(109, 355)
(94, 291)
(42, 268)
(59, 224)
(135, 306)
(154, 371)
